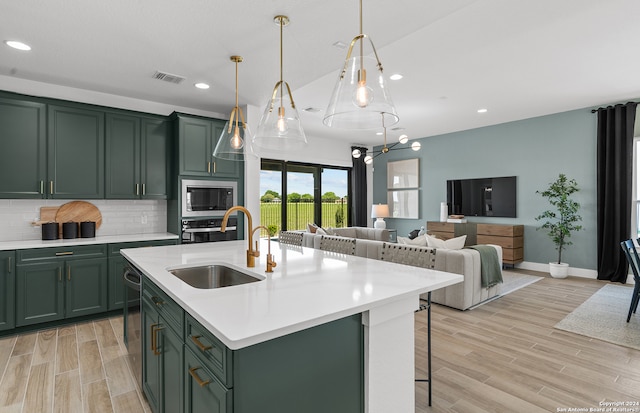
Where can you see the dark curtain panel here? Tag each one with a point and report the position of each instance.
(359, 202)
(614, 170)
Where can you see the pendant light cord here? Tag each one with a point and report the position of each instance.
(281, 65)
(361, 40)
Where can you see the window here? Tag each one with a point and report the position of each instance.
(635, 218)
(294, 194)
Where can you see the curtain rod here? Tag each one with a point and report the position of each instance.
(610, 106)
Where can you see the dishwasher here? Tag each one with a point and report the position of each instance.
(132, 321)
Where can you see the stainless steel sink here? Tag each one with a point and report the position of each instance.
(212, 276)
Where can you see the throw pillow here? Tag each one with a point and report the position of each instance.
(420, 241)
(311, 228)
(321, 231)
(450, 244)
(330, 231)
(414, 233)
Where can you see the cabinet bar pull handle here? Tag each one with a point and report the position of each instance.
(214, 167)
(9, 265)
(68, 272)
(198, 343)
(143, 189)
(42, 187)
(192, 372)
(157, 300)
(208, 167)
(51, 187)
(153, 338)
(58, 254)
(137, 189)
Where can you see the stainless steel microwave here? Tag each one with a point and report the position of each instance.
(201, 197)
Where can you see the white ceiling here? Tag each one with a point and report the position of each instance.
(518, 59)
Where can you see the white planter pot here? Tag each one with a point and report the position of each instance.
(558, 270)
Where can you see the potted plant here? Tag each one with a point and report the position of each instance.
(561, 220)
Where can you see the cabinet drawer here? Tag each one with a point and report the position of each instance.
(170, 311)
(82, 251)
(434, 226)
(203, 391)
(500, 230)
(215, 355)
(114, 249)
(504, 242)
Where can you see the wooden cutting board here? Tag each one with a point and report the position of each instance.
(78, 211)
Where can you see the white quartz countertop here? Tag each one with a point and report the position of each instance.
(309, 287)
(108, 239)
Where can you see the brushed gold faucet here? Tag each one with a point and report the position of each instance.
(251, 253)
(270, 262)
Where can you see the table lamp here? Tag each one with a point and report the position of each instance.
(380, 212)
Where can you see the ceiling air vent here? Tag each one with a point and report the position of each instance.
(168, 77)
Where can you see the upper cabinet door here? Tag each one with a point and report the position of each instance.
(195, 147)
(123, 157)
(75, 143)
(154, 165)
(22, 149)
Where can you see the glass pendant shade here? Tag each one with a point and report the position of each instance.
(280, 126)
(234, 142)
(360, 96)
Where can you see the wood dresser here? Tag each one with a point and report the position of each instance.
(509, 237)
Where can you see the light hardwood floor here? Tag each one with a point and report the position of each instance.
(504, 356)
(71, 369)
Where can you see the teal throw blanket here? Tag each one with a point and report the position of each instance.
(489, 266)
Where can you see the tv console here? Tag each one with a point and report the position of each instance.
(509, 237)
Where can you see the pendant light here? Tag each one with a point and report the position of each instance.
(360, 95)
(234, 139)
(280, 127)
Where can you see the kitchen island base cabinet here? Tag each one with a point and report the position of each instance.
(161, 360)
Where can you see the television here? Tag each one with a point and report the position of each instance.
(482, 197)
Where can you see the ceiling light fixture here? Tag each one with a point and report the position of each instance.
(395, 76)
(280, 129)
(402, 139)
(17, 45)
(357, 101)
(233, 141)
(201, 85)
(482, 110)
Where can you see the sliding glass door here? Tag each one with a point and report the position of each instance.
(296, 194)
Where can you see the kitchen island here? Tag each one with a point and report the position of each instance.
(309, 289)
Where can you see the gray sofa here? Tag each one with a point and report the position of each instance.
(369, 244)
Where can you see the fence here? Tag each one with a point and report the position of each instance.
(300, 213)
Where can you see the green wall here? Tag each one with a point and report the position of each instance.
(535, 150)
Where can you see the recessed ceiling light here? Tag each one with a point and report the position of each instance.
(201, 85)
(482, 111)
(395, 76)
(17, 45)
(379, 133)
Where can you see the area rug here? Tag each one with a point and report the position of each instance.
(604, 317)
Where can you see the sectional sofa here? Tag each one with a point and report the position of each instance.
(369, 244)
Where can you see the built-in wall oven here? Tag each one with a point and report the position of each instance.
(208, 230)
(206, 198)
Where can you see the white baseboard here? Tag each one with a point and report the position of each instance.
(576, 272)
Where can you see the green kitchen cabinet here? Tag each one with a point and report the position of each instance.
(197, 139)
(163, 351)
(60, 282)
(75, 147)
(118, 264)
(23, 149)
(136, 157)
(7, 289)
(203, 392)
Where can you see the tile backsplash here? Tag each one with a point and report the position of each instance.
(119, 217)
